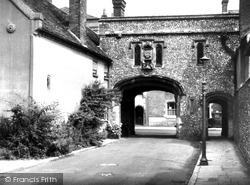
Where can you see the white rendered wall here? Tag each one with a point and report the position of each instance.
(69, 70)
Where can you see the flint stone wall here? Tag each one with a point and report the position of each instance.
(179, 58)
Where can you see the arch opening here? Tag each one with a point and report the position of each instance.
(149, 101)
(219, 114)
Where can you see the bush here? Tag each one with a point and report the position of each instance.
(88, 119)
(32, 130)
(114, 131)
(6, 154)
(85, 126)
(191, 129)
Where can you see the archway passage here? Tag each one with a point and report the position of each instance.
(225, 101)
(132, 87)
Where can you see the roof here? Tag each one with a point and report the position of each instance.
(56, 22)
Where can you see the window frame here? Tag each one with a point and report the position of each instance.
(172, 110)
(95, 68)
(158, 48)
(137, 59)
(200, 48)
(106, 72)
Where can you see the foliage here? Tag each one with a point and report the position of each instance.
(32, 131)
(6, 154)
(191, 128)
(114, 131)
(98, 99)
(88, 119)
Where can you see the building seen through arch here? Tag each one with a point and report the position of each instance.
(159, 108)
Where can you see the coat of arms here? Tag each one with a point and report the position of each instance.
(147, 54)
(147, 57)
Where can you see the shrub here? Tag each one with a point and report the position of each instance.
(88, 119)
(6, 154)
(32, 130)
(114, 131)
(191, 129)
(85, 128)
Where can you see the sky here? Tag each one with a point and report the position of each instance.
(155, 7)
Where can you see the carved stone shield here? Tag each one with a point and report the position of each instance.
(147, 54)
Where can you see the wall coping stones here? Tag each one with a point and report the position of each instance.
(166, 32)
(174, 17)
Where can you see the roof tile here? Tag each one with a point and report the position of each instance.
(56, 23)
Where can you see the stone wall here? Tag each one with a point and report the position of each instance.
(179, 58)
(156, 103)
(242, 120)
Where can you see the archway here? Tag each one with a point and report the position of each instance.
(131, 87)
(139, 115)
(225, 101)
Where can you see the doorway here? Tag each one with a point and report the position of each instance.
(139, 115)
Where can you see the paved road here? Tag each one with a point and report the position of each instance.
(130, 161)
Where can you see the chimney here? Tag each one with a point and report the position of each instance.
(104, 13)
(119, 8)
(224, 6)
(78, 18)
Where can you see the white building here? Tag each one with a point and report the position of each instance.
(47, 54)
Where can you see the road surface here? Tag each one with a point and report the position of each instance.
(129, 161)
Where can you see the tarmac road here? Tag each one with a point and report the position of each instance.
(130, 161)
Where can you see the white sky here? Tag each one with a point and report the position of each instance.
(156, 7)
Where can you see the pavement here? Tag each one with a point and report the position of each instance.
(226, 166)
(11, 165)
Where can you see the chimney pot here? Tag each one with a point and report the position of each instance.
(224, 6)
(104, 13)
(119, 8)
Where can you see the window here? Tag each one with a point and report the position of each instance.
(147, 50)
(48, 82)
(200, 52)
(106, 72)
(171, 108)
(137, 55)
(191, 106)
(159, 55)
(95, 68)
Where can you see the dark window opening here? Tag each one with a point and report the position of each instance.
(191, 106)
(137, 55)
(159, 55)
(200, 53)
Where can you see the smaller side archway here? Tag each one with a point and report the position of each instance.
(225, 100)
